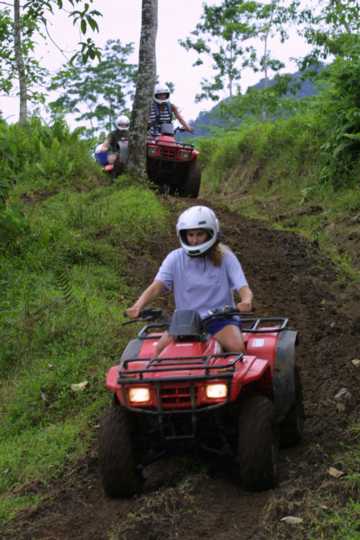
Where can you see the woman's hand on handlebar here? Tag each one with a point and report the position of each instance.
(133, 312)
(244, 307)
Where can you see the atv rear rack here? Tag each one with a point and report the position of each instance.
(188, 363)
(256, 322)
(256, 325)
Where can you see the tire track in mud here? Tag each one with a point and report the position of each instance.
(289, 278)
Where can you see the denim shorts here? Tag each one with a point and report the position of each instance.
(214, 326)
(101, 157)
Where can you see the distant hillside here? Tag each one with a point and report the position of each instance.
(208, 119)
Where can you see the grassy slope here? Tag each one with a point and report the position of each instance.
(65, 284)
(272, 172)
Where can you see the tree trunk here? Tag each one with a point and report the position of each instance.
(144, 91)
(20, 65)
(266, 54)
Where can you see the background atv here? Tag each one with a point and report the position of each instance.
(194, 395)
(173, 165)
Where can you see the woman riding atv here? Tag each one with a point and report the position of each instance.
(203, 274)
(162, 111)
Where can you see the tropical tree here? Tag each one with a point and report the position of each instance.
(99, 90)
(19, 25)
(144, 90)
(331, 29)
(226, 33)
(17, 63)
(221, 34)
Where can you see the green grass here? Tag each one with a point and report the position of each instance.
(10, 507)
(340, 520)
(36, 454)
(272, 172)
(65, 285)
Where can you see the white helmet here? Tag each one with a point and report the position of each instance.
(198, 217)
(122, 122)
(161, 89)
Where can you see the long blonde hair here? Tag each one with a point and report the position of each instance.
(216, 253)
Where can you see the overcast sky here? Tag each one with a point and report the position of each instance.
(122, 20)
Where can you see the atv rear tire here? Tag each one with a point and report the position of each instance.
(191, 185)
(257, 454)
(118, 471)
(292, 427)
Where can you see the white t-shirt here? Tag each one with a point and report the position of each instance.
(200, 285)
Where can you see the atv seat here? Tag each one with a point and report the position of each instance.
(186, 325)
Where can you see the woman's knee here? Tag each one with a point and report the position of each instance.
(162, 343)
(230, 338)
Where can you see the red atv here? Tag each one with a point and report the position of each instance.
(194, 395)
(173, 165)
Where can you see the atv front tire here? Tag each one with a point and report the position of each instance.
(120, 477)
(257, 454)
(191, 185)
(292, 427)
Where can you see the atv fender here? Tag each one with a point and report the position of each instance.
(131, 350)
(284, 374)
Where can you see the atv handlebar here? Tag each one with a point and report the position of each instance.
(149, 314)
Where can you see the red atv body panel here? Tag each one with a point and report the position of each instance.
(173, 165)
(165, 147)
(181, 364)
(194, 395)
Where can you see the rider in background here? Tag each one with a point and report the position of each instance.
(115, 144)
(203, 274)
(162, 111)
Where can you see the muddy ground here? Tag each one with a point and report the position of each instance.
(187, 498)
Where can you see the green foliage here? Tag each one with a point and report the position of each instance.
(225, 33)
(9, 508)
(272, 101)
(82, 15)
(339, 116)
(32, 25)
(267, 153)
(36, 158)
(34, 74)
(36, 453)
(330, 27)
(96, 92)
(63, 289)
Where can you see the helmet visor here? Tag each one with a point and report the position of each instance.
(163, 96)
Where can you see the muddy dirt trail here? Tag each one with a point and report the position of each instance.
(185, 498)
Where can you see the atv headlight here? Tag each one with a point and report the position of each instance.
(184, 154)
(216, 391)
(153, 151)
(139, 394)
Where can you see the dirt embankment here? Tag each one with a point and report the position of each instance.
(289, 278)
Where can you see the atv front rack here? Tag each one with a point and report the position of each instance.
(188, 363)
(168, 394)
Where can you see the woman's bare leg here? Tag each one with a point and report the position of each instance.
(162, 343)
(230, 338)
